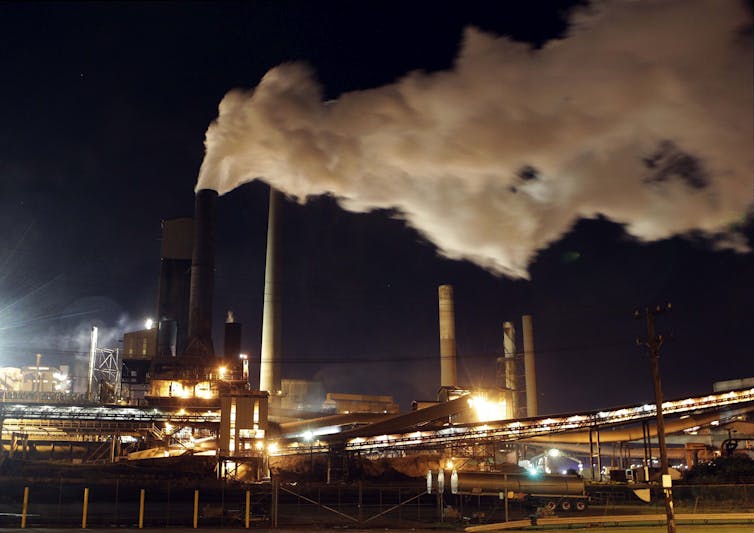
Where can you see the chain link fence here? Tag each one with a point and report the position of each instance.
(219, 504)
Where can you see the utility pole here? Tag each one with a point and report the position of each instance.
(653, 344)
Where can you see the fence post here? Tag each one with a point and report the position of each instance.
(25, 507)
(141, 509)
(505, 483)
(275, 496)
(60, 496)
(196, 509)
(86, 508)
(361, 501)
(440, 506)
(248, 509)
(117, 497)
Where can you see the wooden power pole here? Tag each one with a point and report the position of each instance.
(653, 344)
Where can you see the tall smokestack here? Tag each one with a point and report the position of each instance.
(530, 371)
(511, 368)
(448, 376)
(269, 368)
(202, 275)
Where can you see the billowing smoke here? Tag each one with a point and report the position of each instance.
(643, 115)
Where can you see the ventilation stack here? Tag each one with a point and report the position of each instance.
(175, 281)
(232, 341)
(511, 368)
(202, 276)
(529, 369)
(448, 376)
(270, 366)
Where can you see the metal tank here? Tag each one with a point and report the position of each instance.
(551, 491)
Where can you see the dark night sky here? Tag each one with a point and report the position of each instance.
(104, 107)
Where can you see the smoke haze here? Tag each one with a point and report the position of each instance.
(642, 114)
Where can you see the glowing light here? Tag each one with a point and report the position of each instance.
(61, 382)
(553, 452)
(148, 323)
(449, 464)
(272, 447)
(243, 356)
(168, 427)
(487, 410)
(259, 445)
(308, 436)
(203, 391)
(222, 370)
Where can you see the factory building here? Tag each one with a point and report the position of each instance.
(175, 280)
(35, 379)
(140, 345)
(177, 362)
(301, 395)
(342, 403)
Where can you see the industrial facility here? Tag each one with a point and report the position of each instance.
(171, 392)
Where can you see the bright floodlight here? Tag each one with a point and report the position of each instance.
(148, 323)
(222, 370)
(553, 452)
(308, 436)
(487, 410)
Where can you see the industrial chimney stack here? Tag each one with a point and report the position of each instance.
(529, 368)
(202, 276)
(511, 369)
(448, 377)
(270, 367)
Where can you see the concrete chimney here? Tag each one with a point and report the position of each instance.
(529, 369)
(270, 366)
(202, 276)
(448, 377)
(511, 368)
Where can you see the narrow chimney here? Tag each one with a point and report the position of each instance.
(530, 371)
(448, 376)
(202, 276)
(232, 341)
(511, 367)
(269, 368)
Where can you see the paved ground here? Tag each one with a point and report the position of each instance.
(653, 529)
(341, 529)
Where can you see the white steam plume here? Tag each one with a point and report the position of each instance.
(643, 114)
